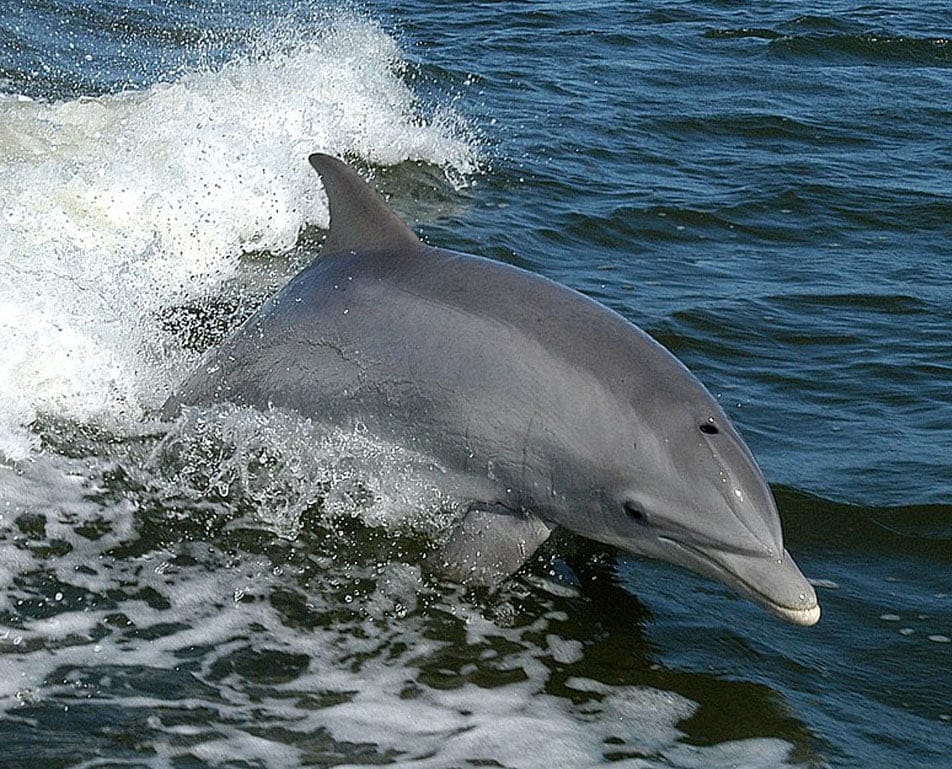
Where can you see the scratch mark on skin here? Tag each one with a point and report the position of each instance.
(467, 447)
(525, 449)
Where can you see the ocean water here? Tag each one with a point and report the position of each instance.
(766, 190)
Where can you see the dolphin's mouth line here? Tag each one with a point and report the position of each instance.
(731, 577)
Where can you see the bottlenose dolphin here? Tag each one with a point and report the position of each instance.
(546, 408)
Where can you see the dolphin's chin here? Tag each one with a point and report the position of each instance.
(777, 584)
(804, 617)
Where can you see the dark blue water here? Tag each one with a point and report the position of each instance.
(767, 191)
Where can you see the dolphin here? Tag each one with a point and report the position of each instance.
(543, 407)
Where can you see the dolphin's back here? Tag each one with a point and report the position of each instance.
(402, 337)
(455, 354)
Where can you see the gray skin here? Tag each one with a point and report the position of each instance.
(544, 407)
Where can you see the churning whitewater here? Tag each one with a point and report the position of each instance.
(119, 208)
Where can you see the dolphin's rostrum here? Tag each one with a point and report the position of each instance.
(548, 408)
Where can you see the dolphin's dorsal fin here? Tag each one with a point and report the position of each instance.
(360, 219)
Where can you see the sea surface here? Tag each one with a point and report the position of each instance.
(765, 188)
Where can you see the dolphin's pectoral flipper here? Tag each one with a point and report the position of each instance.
(488, 546)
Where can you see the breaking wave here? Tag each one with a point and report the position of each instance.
(118, 208)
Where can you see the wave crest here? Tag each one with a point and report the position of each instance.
(117, 207)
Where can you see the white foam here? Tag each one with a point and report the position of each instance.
(281, 464)
(113, 208)
(366, 661)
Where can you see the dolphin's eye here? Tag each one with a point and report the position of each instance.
(635, 513)
(708, 429)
